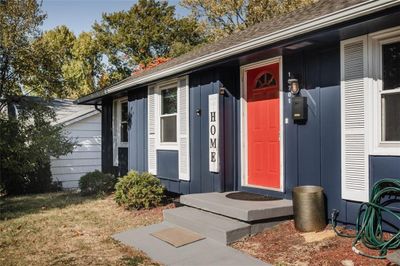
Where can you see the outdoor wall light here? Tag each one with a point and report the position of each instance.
(294, 86)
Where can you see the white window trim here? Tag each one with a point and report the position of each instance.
(376, 40)
(117, 143)
(168, 84)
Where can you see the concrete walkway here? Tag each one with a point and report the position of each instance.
(203, 252)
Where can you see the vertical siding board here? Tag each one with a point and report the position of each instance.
(312, 150)
(195, 126)
(386, 167)
(132, 158)
(330, 150)
(184, 187)
(138, 129)
(167, 164)
(231, 127)
(122, 161)
(106, 140)
(292, 64)
(203, 84)
(309, 153)
(206, 88)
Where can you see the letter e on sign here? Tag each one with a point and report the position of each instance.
(213, 132)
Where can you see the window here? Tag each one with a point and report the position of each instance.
(265, 81)
(124, 122)
(384, 93)
(168, 117)
(120, 126)
(390, 92)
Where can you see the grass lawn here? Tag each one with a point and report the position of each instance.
(66, 228)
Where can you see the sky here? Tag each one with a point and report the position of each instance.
(79, 15)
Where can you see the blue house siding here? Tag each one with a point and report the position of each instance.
(167, 165)
(312, 150)
(137, 129)
(106, 136)
(230, 81)
(201, 85)
(122, 161)
(386, 167)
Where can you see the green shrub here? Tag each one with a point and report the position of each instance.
(96, 183)
(138, 190)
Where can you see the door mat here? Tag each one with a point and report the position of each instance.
(249, 196)
(177, 237)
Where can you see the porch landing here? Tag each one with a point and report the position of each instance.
(248, 211)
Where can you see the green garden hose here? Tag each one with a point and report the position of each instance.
(369, 220)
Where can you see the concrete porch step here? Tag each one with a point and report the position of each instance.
(248, 211)
(217, 227)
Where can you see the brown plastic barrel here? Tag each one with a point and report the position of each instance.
(309, 208)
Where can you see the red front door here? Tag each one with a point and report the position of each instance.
(263, 126)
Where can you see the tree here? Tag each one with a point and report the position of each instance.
(147, 31)
(57, 46)
(227, 16)
(28, 137)
(83, 71)
(223, 17)
(258, 11)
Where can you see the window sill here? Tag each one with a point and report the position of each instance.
(387, 150)
(123, 145)
(168, 146)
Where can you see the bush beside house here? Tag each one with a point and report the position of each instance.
(96, 183)
(139, 190)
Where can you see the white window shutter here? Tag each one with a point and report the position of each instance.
(152, 129)
(183, 132)
(354, 102)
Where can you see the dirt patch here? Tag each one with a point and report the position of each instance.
(283, 245)
(67, 229)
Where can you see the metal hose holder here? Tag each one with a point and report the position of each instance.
(309, 208)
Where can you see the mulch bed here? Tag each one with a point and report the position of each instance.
(283, 245)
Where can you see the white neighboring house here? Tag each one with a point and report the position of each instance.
(83, 124)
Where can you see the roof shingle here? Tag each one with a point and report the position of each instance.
(316, 10)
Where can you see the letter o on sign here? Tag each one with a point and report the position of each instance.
(213, 130)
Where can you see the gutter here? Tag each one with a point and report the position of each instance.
(68, 121)
(336, 17)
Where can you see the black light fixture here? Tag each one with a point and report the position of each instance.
(293, 84)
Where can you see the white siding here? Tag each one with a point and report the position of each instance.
(86, 156)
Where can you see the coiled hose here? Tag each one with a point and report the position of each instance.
(369, 220)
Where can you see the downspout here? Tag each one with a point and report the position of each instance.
(96, 106)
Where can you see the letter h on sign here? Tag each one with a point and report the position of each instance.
(213, 132)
